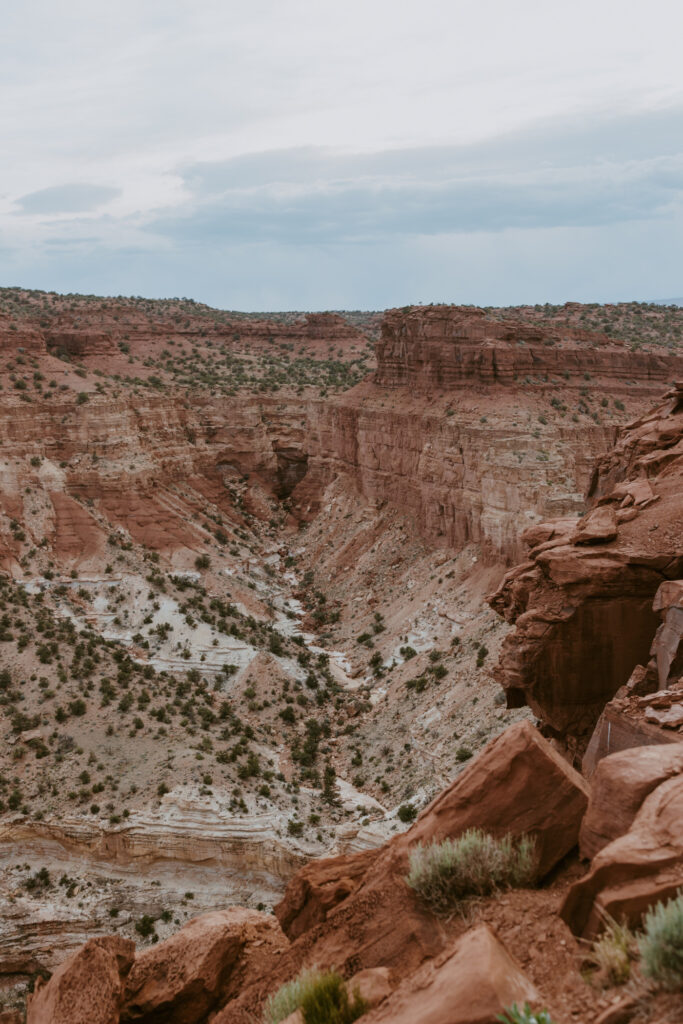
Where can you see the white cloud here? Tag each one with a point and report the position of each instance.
(448, 114)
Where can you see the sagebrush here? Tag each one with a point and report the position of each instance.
(446, 874)
(614, 950)
(661, 944)
(524, 1015)
(322, 997)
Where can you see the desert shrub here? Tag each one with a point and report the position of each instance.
(145, 926)
(613, 951)
(407, 812)
(475, 864)
(524, 1015)
(661, 944)
(321, 996)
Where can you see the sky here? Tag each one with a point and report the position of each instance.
(308, 154)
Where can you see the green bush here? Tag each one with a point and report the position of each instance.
(407, 812)
(446, 874)
(661, 944)
(514, 1015)
(321, 996)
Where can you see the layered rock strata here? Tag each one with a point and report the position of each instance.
(472, 427)
(583, 601)
(435, 347)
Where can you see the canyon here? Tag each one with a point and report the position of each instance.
(257, 553)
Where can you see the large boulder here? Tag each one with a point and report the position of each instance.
(469, 984)
(318, 887)
(87, 988)
(518, 785)
(619, 786)
(597, 527)
(636, 870)
(201, 967)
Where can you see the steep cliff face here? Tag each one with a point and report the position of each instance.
(583, 600)
(477, 428)
(474, 428)
(464, 469)
(449, 346)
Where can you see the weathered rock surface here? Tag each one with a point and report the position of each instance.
(87, 988)
(318, 887)
(583, 612)
(428, 347)
(373, 985)
(619, 786)
(462, 465)
(518, 785)
(201, 967)
(470, 984)
(636, 870)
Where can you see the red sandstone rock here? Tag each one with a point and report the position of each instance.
(87, 988)
(636, 870)
(518, 785)
(671, 718)
(320, 886)
(598, 527)
(619, 786)
(427, 347)
(470, 984)
(619, 728)
(584, 613)
(201, 967)
(373, 985)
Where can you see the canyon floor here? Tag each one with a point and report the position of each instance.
(243, 616)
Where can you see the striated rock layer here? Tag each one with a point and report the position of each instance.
(474, 428)
(429, 347)
(583, 601)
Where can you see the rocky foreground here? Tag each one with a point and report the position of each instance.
(357, 913)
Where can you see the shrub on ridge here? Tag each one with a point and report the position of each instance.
(446, 874)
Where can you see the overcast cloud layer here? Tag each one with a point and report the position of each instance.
(305, 154)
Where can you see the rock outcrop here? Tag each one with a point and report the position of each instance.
(583, 604)
(619, 786)
(201, 967)
(473, 983)
(494, 446)
(635, 871)
(519, 785)
(427, 347)
(88, 987)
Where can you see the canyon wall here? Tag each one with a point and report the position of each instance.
(582, 601)
(475, 429)
(434, 347)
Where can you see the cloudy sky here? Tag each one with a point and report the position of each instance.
(309, 154)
